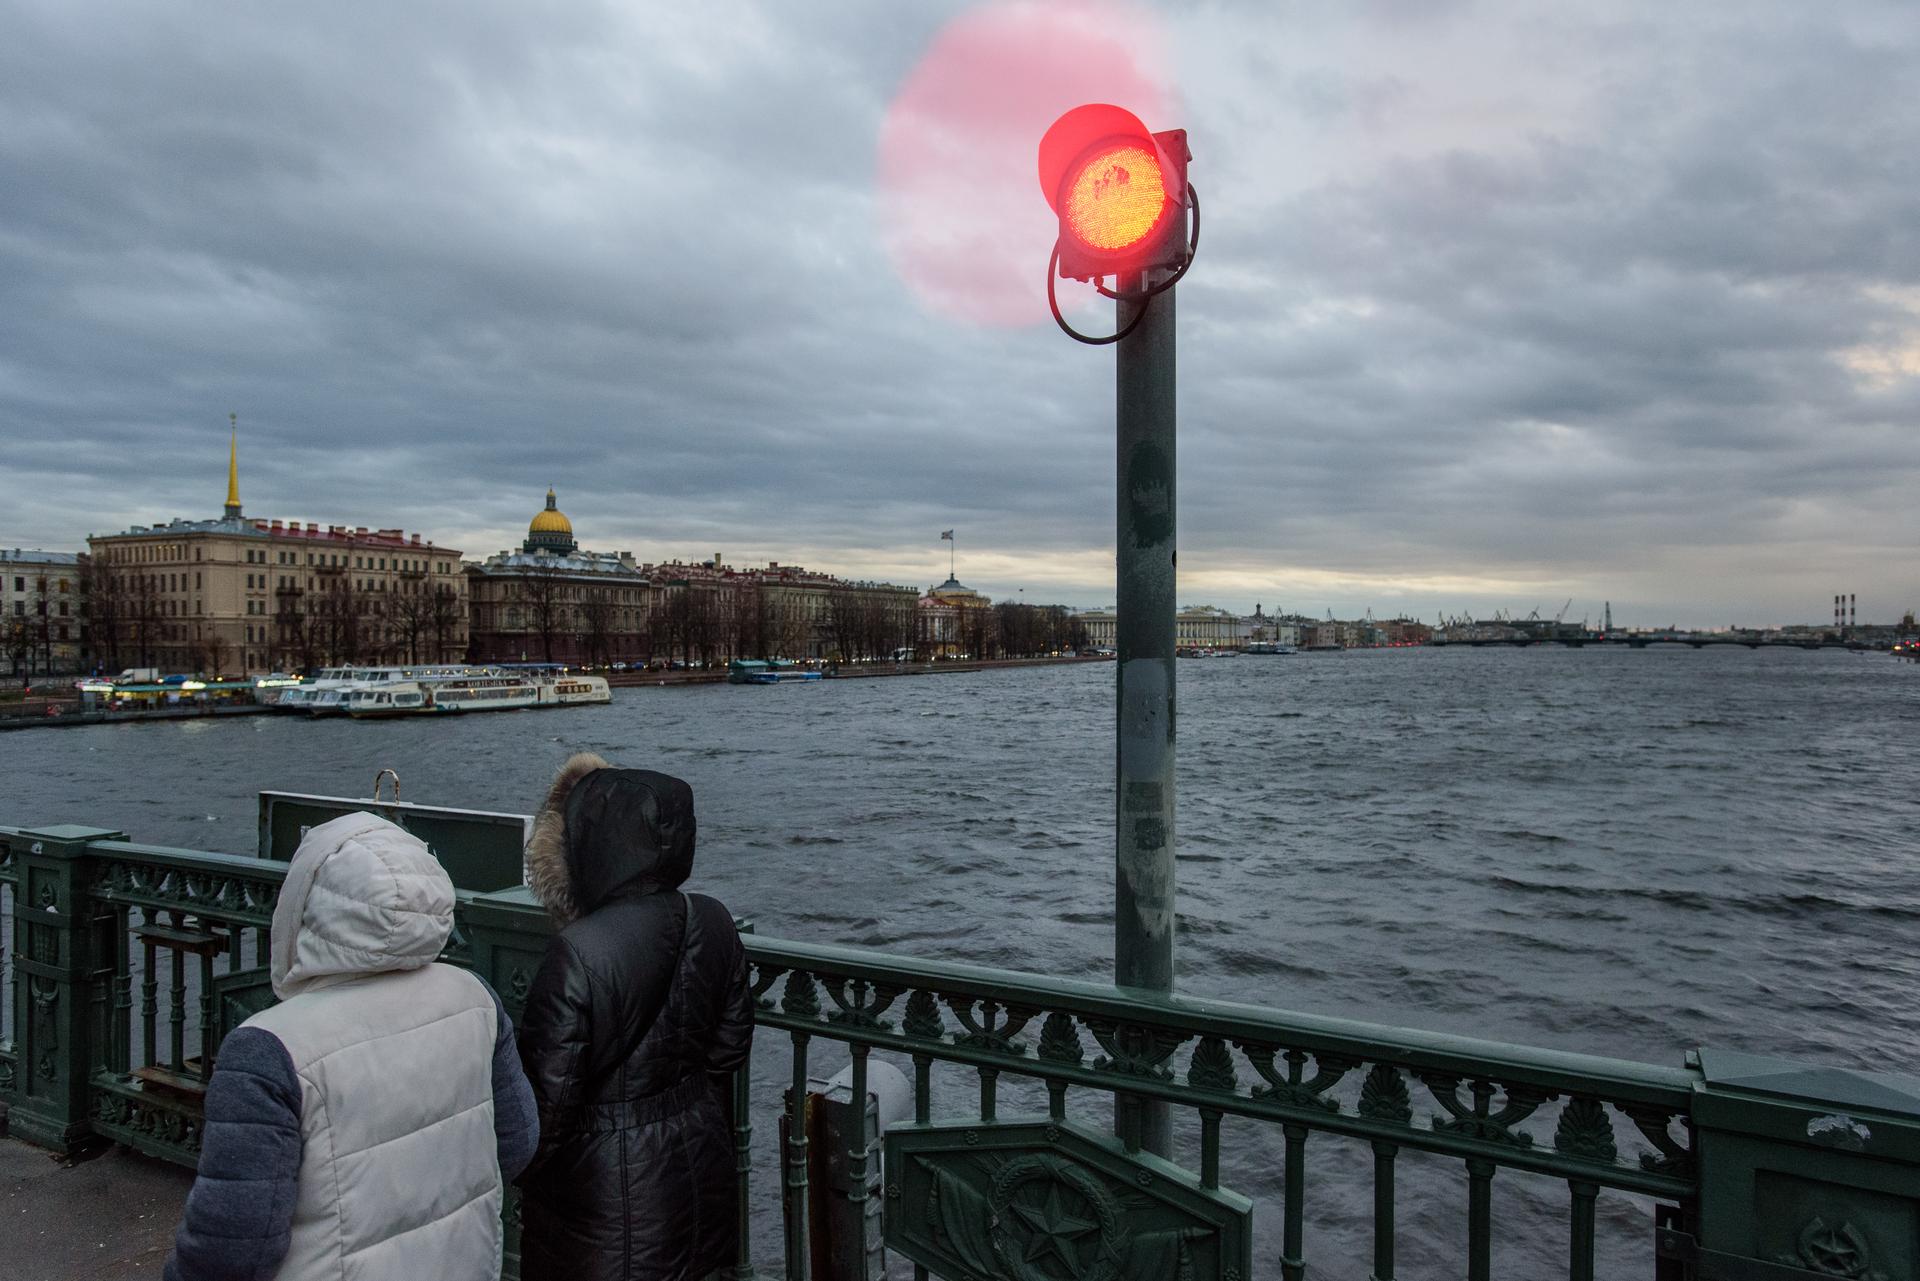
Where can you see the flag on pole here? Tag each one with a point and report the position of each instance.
(947, 534)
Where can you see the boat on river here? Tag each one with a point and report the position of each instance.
(755, 671)
(1270, 647)
(326, 693)
(494, 691)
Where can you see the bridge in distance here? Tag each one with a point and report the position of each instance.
(1643, 640)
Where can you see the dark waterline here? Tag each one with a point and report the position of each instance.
(1625, 853)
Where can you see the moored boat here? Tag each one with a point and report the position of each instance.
(397, 698)
(564, 690)
(495, 693)
(330, 693)
(755, 671)
(490, 690)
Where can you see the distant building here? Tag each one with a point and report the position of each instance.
(239, 595)
(1208, 627)
(1282, 629)
(785, 611)
(1322, 635)
(954, 621)
(1404, 631)
(43, 611)
(1194, 627)
(1102, 627)
(551, 602)
(709, 611)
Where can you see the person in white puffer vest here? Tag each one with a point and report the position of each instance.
(365, 1127)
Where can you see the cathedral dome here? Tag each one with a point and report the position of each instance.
(550, 521)
(550, 530)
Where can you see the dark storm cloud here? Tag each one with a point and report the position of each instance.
(1491, 304)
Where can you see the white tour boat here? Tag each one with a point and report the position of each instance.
(494, 690)
(331, 693)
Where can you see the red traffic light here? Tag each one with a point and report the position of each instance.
(1119, 191)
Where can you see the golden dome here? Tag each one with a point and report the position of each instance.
(550, 521)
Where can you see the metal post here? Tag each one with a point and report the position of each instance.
(57, 935)
(1143, 767)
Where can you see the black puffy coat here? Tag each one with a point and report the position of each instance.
(638, 1013)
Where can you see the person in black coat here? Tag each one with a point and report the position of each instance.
(638, 1014)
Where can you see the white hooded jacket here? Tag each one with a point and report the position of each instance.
(385, 1060)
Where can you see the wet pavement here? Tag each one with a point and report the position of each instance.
(105, 1219)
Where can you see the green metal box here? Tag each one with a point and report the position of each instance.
(482, 851)
(1806, 1171)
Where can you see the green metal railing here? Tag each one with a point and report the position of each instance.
(126, 963)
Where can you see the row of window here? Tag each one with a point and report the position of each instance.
(164, 552)
(149, 553)
(39, 609)
(60, 628)
(39, 583)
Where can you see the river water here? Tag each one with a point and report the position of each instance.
(1619, 852)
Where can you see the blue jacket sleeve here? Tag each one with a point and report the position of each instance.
(516, 1122)
(240, 1212)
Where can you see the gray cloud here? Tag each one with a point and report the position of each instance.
(1494, 307)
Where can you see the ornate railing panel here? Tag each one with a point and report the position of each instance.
(1597, 1123)
(124, 964)
(190, 940)
(8, 997)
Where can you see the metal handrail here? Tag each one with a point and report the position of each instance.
(1556, 1070)
(1488, 1104)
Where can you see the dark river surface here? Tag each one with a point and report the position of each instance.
(1626, 853)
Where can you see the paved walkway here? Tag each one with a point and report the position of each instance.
(101, 1220)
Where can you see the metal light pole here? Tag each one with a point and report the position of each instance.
(1144, 696)
(1123, 201)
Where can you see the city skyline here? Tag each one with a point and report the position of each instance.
(1494, 308)
(948, 539)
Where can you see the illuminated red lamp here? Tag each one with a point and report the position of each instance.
(1119, 191)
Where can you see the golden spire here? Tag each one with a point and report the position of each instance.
(233, 468)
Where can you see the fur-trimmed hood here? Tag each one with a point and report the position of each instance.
(605, 833)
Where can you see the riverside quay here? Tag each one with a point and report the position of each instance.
(1005, 1137)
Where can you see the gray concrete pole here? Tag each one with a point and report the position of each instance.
(1143, 774)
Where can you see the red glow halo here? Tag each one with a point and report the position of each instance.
(955, 175)
(1069, 136)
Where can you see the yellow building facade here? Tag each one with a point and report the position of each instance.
(239, 595)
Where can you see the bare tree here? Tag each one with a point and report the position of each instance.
(411, 615)
(753, 621)
(703, 618)
(446, 618)
(293, 637)
(101, 597)
(596, 624)
(337, 613)
(43, 621)
(789, 626)
(209, 651)
(842, 623)
(17, 637)
(538, 591)
(376, 632)
(143, 614)
(977, 632)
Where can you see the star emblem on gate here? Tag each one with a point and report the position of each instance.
(1053, 1222)
(1054, 1229)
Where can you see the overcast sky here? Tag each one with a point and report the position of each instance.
(1497, 303)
